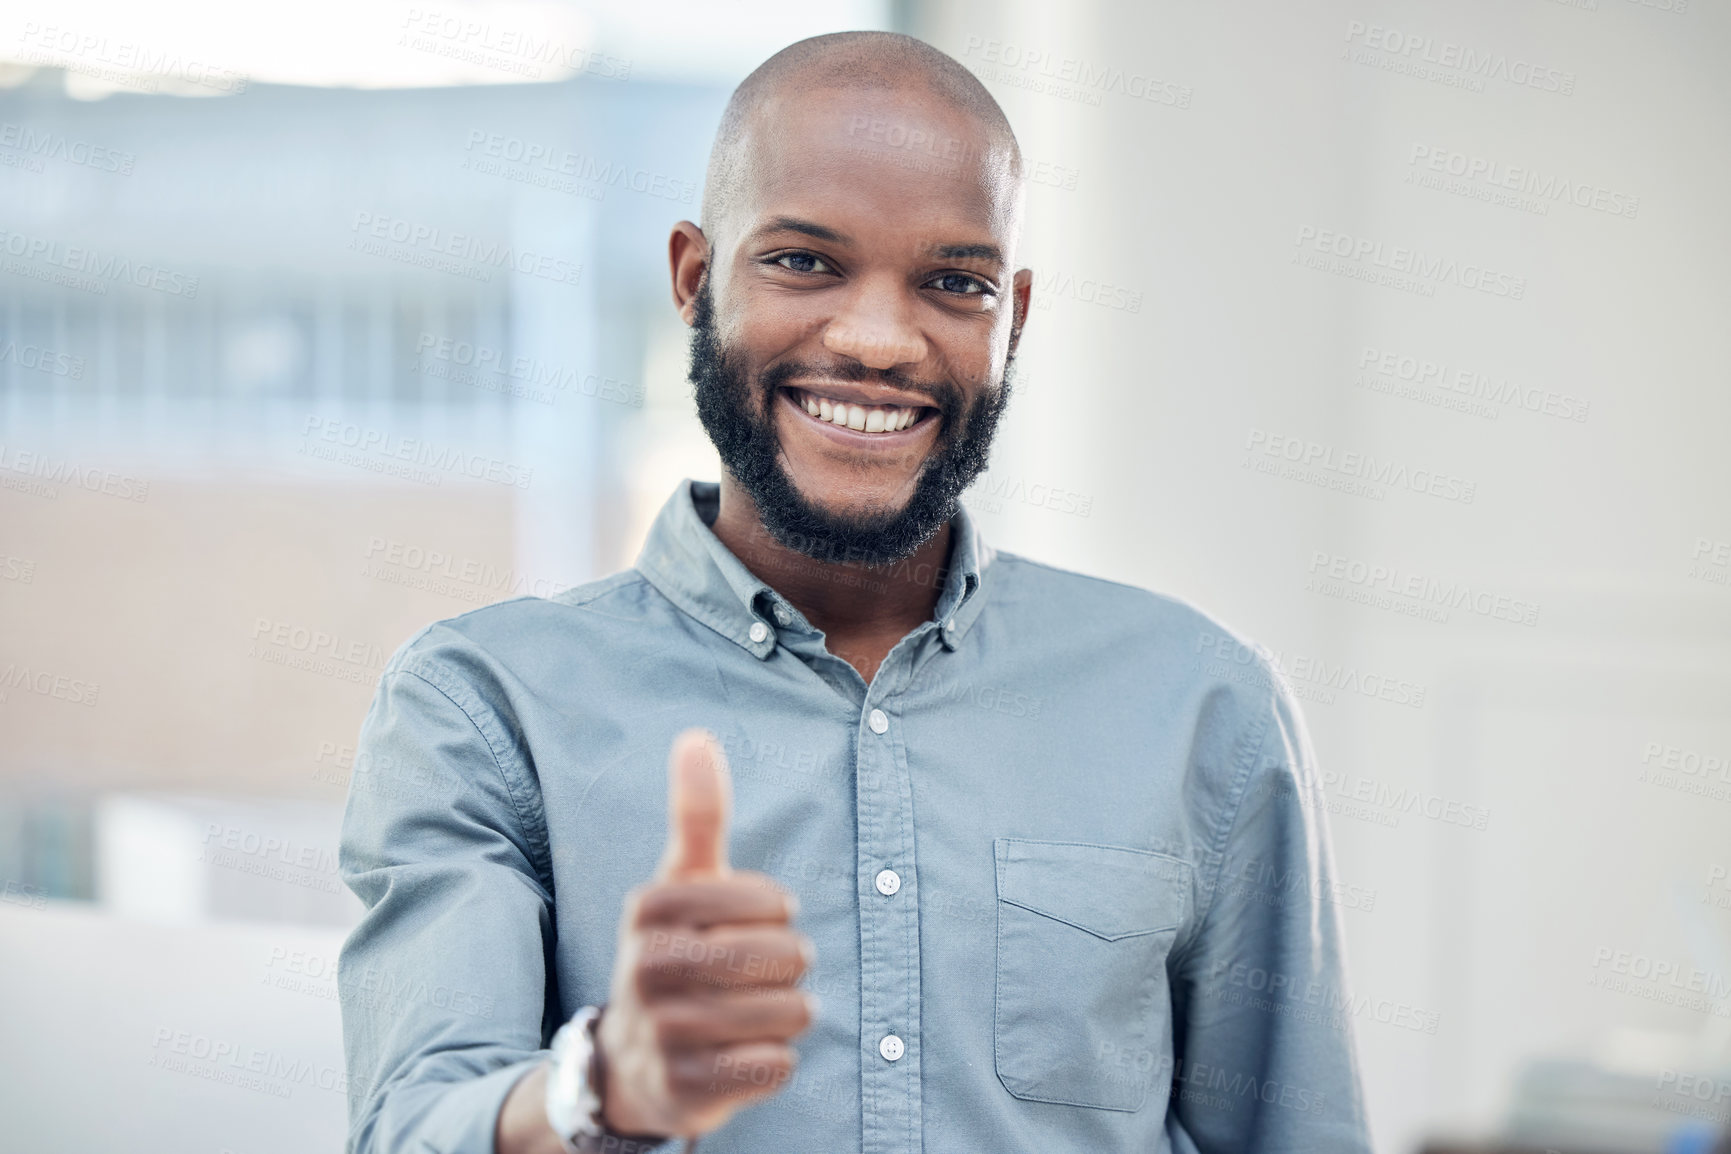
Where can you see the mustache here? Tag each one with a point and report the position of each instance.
(944, 395)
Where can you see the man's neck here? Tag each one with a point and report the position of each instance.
(863, 610)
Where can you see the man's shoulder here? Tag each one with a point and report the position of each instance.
(500, 630)
(1128, 611)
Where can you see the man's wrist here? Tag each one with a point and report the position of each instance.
(577, 1092)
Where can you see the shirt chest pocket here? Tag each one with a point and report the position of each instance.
(1083, 1009)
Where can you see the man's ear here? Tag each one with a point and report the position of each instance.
(1021, 292)
(687, 258)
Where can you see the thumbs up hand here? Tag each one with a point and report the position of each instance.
(703, 1004)
(699, 800)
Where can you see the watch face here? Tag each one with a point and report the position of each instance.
(573, 1105)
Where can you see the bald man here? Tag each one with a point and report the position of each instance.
(1019, 859)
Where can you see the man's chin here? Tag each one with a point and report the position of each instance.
(853, 517)
(860, 529)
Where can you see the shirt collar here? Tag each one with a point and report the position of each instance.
(687, 562)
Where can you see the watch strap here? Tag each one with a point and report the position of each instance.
(575, 1088)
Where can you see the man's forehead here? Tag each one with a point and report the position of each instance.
(913, 119)
(839, 153)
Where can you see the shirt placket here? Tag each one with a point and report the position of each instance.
(888, 885)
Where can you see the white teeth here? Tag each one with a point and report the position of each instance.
(874, 420)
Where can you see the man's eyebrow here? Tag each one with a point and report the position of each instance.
(989, 252)
(809, 228)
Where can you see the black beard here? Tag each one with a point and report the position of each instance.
(742, 426)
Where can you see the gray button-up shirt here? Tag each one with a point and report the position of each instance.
(1064, 859)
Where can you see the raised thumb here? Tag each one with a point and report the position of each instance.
(699, 798)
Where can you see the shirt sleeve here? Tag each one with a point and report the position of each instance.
(1263, 1045)
(444, 983)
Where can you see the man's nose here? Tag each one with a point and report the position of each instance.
(876, 330)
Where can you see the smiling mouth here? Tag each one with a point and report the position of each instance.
(880, 419)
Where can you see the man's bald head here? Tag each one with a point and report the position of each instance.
(887, 62)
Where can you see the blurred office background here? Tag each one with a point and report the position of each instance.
(1393, 333)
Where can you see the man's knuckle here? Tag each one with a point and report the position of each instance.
(666, 1028)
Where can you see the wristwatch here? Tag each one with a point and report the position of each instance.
(575, 1086)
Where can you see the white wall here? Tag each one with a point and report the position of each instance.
(124, 1035)
(1149, 412)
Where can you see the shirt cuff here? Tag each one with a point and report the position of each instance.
(466, 1118)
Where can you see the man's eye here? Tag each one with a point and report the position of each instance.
(959, 282)
(802, 262)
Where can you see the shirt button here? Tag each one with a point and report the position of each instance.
(879, 721)
(889, 881)
(781, 615)
(759, 631)
(890, 1047)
